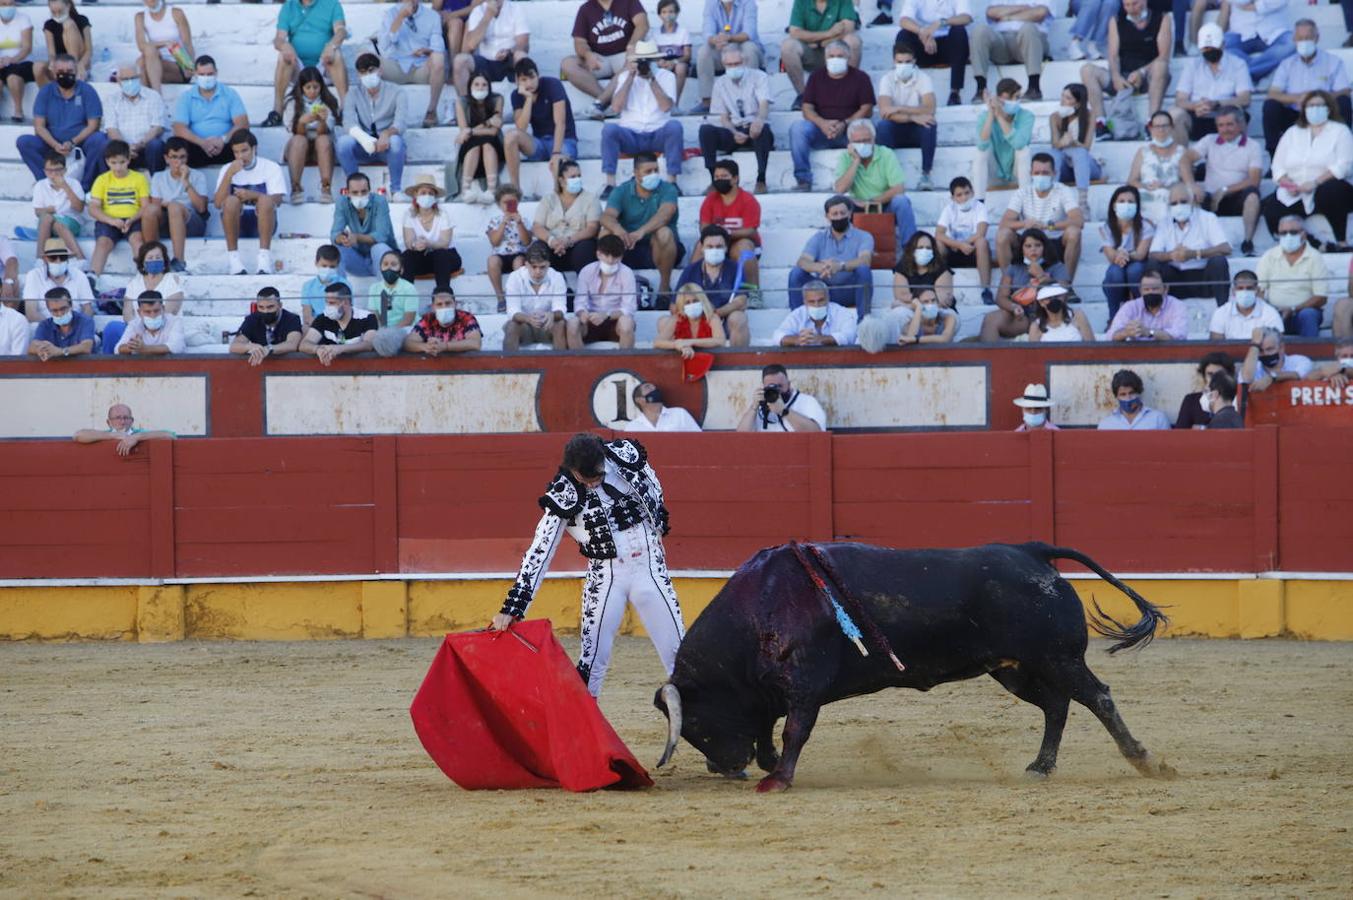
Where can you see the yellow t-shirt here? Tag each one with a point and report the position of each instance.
(121, 198)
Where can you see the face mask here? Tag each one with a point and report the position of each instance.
(154, 267)
(271, 318)
(723, 185)
(905, 70)
(371, 80)
(1029, 262)
(817, 313)
(326, 274)
(157, 7)
(1066, 111)
(1317, 115)
(1035, 419)
(669, 17)
(61, 19)
(1056, 306)
(130, 86)
(574, 184)
(837, 66)
(840, 226)
(735, 72)
(479, 93)
(333, 311)
(1125, 211)
(56, 269)
(444, 315)
(1162, 142)
(64, 319)
(389, 276)
(1010, 106)
(1153, 301)
(1205, 401)
(930, 311)
(650, 181)
(206, 82)
(1212, 54)
(1291, 243)
(716, 255)
(923, 256)
(426, 201)
(653, 396)
(967, 205)
(863, 150)
(1142, 16)
(694, 309)
(1181, 212)
(1042, 183)
(1130, 405)
(1245, 299)
(66, 80)
(1346, 362)
(153, 323)
(1270, 360)
(1306, 49)
(360, 202)
(7, 13)
(608, 268)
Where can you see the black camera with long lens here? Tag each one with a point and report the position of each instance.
(645, 68)
(770, 394)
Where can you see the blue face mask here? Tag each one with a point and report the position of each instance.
(206, 82)
(650, 181)
(1130, 405)
(130, 86)
(153, 323)
(574, 184)
(64, 319)
(734, 73)
(1010, 106)
(1042, 183)
(154, 267)
(326, 274)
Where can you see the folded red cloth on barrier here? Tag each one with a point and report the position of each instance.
(495, 713)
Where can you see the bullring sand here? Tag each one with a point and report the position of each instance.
(292, 770)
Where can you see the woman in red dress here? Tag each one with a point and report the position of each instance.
(693, 324)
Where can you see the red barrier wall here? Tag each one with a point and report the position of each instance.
(1245, 501)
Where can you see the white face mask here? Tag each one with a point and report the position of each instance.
(967, 205)
(479, 93)
(905, 70)
(1205, 401)
(1346, 362)
(1066, 111)
(924, 256)
(1317, 115)
(817, 313)
(930, 311)
(694, 310)
(1181, 212)
(715, 255)
(1125, 211)
(837, 65)
(1291, 243)
(1034, 419)
(333, 311)
(608, 268)
(153, 323)
(426, 201)
(444, 315)
(863, 150)
(1306, 49)
(359, 202)
(371, 80)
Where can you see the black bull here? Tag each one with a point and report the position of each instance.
(769, 646)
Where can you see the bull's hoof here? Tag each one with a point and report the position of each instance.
(772, 784)
(1153, 766)
(1035, 772)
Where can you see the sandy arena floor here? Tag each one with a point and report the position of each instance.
(292, 770)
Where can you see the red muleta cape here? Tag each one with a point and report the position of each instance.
(494, 713)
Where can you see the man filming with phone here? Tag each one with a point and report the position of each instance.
(776, 406)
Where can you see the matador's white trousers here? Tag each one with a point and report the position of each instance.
(637, 575)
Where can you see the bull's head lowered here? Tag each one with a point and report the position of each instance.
(726, 742)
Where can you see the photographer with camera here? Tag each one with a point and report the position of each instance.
(776, 406)
(644, 98)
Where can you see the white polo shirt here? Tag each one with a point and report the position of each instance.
(503, 31)
(641, 112)
(1202, 231)
(672, 418)
(1234, 325)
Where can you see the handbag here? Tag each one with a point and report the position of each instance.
(1120, 115)
(883, 226)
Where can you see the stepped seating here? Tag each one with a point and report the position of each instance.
(239, 36)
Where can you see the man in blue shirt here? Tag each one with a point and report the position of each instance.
(840, 255)
(413, 51)
(544, 119)
(642, 212)
(67, 333)
(66, 115)
(309, 33)
(717, 275)
(361, 229)
(206, 115)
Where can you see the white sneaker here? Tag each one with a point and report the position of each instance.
(1092, 50)
(1075, 51)
(265, 262)
(234, 265)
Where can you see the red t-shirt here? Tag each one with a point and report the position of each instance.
(682, 332)
(743, 212)
(835, 99)
(606, 31)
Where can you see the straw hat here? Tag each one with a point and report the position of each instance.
(423, 181)
(55, 247)
(647, 50)
(1035, 397)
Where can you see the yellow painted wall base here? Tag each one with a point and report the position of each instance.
(288, 611)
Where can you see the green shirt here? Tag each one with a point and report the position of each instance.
(806, 16)
(633, 211)
(403, 299)
(883, 172)
(309, 28)
(1003, 148)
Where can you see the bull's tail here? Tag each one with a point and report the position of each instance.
(1138, 634)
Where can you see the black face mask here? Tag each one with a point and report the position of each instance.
(270, 318)
(653, 396)
(840, 226)
(1056, 306)
(723, 185)
(1153, 301)
(66, 80)
(1270, 360)
(390, 275)
(1212, 54)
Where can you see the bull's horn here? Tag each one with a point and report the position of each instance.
(672, 697)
